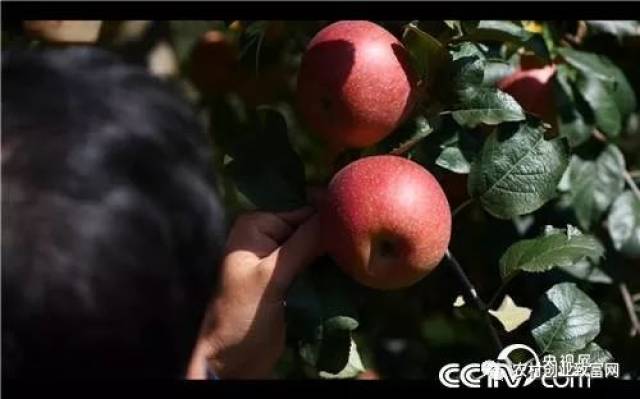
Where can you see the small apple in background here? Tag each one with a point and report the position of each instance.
(64, 32)
(385, 221)
(214, 63)
(532, 88)
(355, 84)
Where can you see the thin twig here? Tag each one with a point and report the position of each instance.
(461, 207)
(578, 38)
(634, 174)
(635, 297)
(498, 294)
(628, 303)
(476, 298)
(631, 183)
(598, 135)
(406, 146)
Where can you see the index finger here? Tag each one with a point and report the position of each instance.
(296, 216)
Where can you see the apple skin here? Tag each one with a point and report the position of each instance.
(533, 90)
(385, 221)
(355, 84)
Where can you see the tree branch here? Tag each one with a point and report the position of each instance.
(476, 298)
(628, 303)
(598, 135)
(461, 207)
(632, 184)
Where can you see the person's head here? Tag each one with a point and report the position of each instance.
(111, 227)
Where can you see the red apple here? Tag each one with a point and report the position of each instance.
(385, 221)
(355, 84)
(533, 90)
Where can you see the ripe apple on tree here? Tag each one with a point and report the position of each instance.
(355, 84)
(532, 88)
(385, 221)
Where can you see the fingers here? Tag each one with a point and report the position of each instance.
(261, 233)
(272, 226)
(286, 262)
(296, 216)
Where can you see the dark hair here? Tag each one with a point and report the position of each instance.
(111, 227)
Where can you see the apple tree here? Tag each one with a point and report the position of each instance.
(531, 129)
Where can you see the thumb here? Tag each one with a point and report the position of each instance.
(300, 250)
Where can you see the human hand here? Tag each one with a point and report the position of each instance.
(243, 333)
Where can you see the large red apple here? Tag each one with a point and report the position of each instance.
(385, 221)
(533, 90)
(355, 84)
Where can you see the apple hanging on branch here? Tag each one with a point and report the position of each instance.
(355, 84)
(386, 221)
(532, 87)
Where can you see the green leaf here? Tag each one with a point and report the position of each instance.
(496, 70)
(454, 26)
(566, 320)
(468, 64)
(619, 29)
(486, 105)
(594, 184)
(428, 55)
(544, 253)
(594, 66)
(596, 353)
(320, 318)
(351, 367)
(572, 109)
(458, 152)
(453, 159)
(587, 271)
(517, 170)
(623, 93)
(623, 224)
(597, 93)
(497, 31)
(265, 168)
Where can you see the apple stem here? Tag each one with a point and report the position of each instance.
(482, 306)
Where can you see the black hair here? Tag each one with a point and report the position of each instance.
(111, 225)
